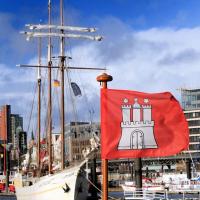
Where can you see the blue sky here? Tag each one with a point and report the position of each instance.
(149, 45)
(135, 14)
(138, 13)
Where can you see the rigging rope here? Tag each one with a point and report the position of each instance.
(90, 108)
(77, 127)
(32, 106)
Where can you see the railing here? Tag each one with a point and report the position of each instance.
(183, 195)
(144, 195)
(153, 195)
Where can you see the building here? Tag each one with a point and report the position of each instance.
(190, 99)
(16, 128)
(56, 147)
(77, 138)
(22, 142)
(5, 132)
(18, 138)
(193, 118)
(11, 131)
(5, 123)
(191, 105)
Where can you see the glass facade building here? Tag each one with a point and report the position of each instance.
(190, 99)
(193, 118)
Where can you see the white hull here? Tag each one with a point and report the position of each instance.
(130, 187)
(175, 182)
(50, 187)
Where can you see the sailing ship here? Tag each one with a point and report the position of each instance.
(71, 182)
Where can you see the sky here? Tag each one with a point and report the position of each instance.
(148, 46)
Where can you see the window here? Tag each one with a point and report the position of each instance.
(198, 96)
(194, 123)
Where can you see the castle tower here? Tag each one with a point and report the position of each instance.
(126, 111)
(146, 111)
(136, 111)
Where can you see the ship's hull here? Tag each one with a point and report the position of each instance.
(129, 188)
(69, 184)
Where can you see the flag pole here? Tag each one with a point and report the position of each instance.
(103, 79)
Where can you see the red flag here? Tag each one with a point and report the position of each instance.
(136, 124)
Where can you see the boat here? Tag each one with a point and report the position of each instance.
(175, 182)
(171, 182)
(69, 182)
(147, 185)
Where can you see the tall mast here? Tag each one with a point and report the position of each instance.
(39, 105)
(49, 92)
(62, 102)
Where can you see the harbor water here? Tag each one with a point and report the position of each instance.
(7, 197)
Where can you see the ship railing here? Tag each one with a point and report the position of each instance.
(140, 194)
(183, 194)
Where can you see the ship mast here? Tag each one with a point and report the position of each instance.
(49, 92)
(39, 105)
(62, 101)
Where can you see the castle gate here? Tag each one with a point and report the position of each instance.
(137, 139)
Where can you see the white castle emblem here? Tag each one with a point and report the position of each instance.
(137, 127)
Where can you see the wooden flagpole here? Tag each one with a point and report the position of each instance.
(103, 79)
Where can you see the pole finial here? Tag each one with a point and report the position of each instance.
(104, 78)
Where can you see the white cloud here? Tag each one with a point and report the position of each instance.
(153, 60)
